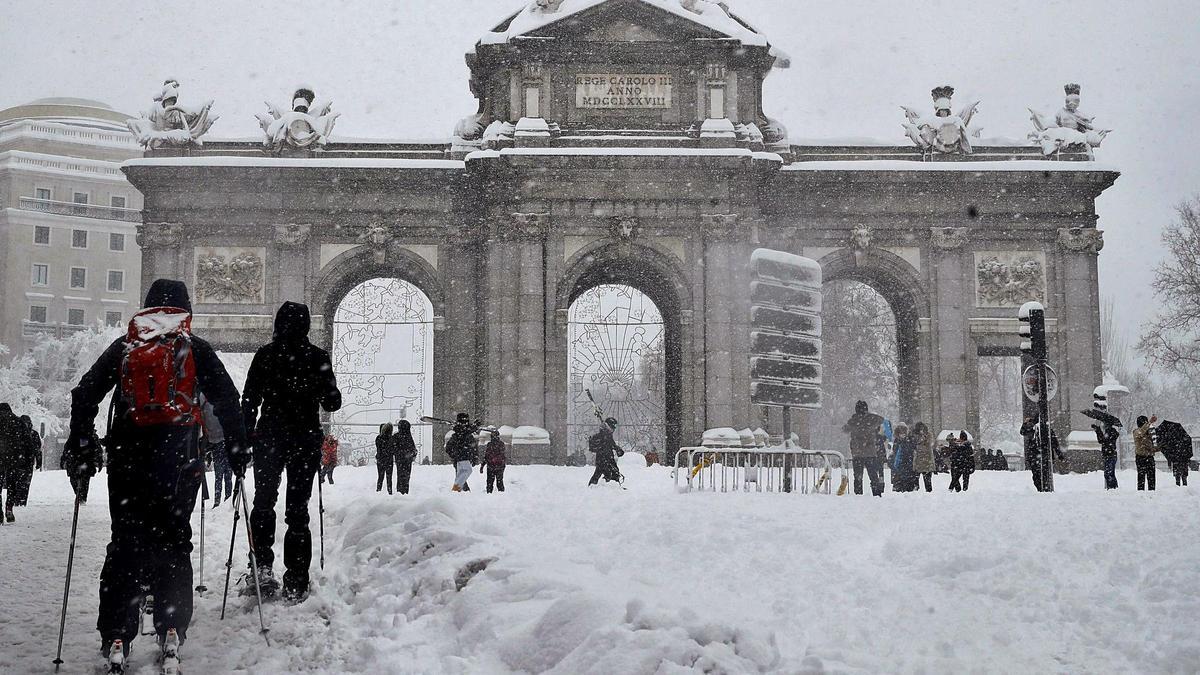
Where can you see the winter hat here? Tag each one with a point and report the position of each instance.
(860, 407)
(168, 293)
(1142, 420)
(292, 321)
(462, 418)
(611, 422)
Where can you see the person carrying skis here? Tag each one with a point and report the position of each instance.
(385, 453)
(865, 430)
(1107, 434)
(289, 382)
(495, 459)
(154, 470)
(406, 454)
(214, 438)
(329, 458)
(463, 450)
(604, 446)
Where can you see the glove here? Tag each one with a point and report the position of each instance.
(239, 458)
(82, 457)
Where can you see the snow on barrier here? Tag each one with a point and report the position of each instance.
(759, 470)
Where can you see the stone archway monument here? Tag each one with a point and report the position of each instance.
(625, 141)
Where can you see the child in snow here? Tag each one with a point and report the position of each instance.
(494, 458)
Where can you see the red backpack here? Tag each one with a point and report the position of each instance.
(158, 372)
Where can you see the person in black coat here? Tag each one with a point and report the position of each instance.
(604, 446)
(463, 450)
(406, 454)
(154, 473)
(29, 459)
(495, 459)
(1107, 435)
(962, 461)
(385, 456)
(1035, 454)
(11, 444)
(289, 382)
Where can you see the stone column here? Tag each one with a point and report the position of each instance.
(952, 294)
(162, 252)
(1079, 356)
(514, 320)
(724, 323)
(292, 277)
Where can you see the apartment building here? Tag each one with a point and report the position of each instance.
(68, 219)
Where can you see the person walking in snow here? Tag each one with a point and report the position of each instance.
(329, 458)
(1107, 435)
(865, 430)
(28, 460)
(463, 450)
(214, 438)
(1035, 454)
(10, 453)
(495, 460)
(903, 452)
(406, 454)
(605, 448)
(385, 454)
(924, 462)
(290, 381)
(962, 461)
(1143, 450)
(154, 468)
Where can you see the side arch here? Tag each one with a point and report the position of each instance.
(901, 285)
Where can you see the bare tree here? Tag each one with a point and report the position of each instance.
(1172, 339)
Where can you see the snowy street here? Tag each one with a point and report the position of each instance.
(578, 580)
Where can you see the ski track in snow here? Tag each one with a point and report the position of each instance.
(555, 577)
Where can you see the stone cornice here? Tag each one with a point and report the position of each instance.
(1081, 240)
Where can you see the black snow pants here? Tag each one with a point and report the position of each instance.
(874, 468)
(495, 477)
(606, 468)
(152, 487)
(299, 456)
(384, 471)
(403, 475)
(1178, 467)
(1145, 471)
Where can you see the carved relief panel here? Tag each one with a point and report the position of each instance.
(229, 274)
(1009, 278)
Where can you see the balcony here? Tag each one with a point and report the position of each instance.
(80, 210)
(33, 329)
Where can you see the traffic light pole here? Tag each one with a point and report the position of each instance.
(1033, 320)
(1047, 467)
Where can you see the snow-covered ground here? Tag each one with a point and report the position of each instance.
(552, 576)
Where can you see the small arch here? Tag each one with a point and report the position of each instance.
(353, 267)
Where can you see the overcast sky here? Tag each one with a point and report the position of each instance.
(395, 69)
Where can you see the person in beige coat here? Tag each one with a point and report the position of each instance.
(924, 462)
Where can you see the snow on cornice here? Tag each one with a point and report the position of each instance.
(962, 166)
(707, 13)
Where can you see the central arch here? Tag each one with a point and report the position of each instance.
(657, 276)
(898, 283)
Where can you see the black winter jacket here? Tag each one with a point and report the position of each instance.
(290, 379)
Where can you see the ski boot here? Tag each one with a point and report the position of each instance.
(294, 596)
(8, 513)
(116, 653)
(168, 658)
(267, 583)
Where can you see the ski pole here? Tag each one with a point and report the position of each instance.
(62, 622)
(321, 517)
(253, 563)
(201, 588)
(232, 538)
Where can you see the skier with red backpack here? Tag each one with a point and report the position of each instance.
(159, 370)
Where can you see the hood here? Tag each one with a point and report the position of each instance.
(168, 293)
(292, 322)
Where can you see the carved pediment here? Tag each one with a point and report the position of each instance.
(624, 31)
(629, 21)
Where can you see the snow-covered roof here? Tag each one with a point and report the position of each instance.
(970, 167)
(538, 14)
(298, 162)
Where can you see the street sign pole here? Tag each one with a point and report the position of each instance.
(787, 439)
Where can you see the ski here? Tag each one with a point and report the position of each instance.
(168, 659)
(146, 618)
(116, 658)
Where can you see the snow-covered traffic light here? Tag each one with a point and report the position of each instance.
(1032, 330)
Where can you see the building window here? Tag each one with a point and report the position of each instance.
(116, 241)
(79, 238)
(74, 317)
(116, 281)
(80, 198)
(112, 319)
(41, 235)
(43, 193)
(37, 314)
(79, 277)
(41, 275)
(117, 202)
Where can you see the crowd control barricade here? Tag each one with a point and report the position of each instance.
(759, 470)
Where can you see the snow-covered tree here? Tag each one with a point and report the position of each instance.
(18, 389)
(1172, 339)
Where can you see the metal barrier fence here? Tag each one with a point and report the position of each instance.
(760, 470)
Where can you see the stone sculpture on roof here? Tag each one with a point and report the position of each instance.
(168, 123)
(943, 131)
(307, 124)
(1071, 129)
